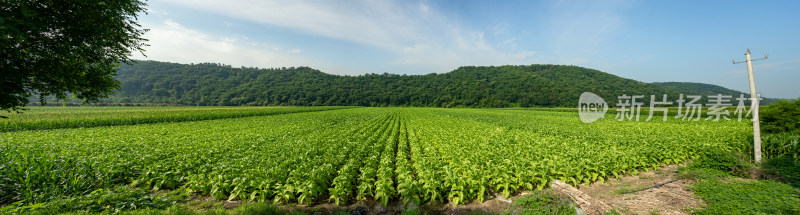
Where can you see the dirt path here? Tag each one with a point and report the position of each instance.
(671, 198)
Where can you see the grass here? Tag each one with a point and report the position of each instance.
(717, 181)
(747, 197)
(247, 209)
(133, 201)
(543, 202)
(785, 169)
(101, 200)
(628, 190)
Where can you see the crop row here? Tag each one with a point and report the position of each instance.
(407, 155)
(38, 118)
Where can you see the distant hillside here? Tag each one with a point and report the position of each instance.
(471, 86)
(688, 88)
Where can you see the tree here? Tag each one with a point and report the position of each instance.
(62, 47)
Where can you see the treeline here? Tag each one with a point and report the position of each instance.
(470, 86)
(687, 88)
(782, 117)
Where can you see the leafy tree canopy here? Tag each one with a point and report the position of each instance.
(781, 117)
(468, 86)
(63, 47)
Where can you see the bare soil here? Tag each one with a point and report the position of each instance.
(671, 198)
(497, 205)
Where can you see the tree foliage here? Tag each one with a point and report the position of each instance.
(783, 116)
(469, 86)
(688, 88)
(59, 48)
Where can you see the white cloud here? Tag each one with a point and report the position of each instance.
(467, 49)
(378, 23)
(295, 51)
(170, 41)
(414, 31)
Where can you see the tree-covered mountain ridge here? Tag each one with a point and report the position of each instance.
(691, 88)
(538, 85)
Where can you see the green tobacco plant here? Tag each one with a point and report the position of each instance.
(409, 155)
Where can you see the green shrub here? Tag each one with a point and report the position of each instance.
(701, 173)
(787, 169)
(783, 116)
(727, 162)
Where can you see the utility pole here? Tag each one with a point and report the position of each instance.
(754, 105)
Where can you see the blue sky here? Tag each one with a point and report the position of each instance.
(649, 41)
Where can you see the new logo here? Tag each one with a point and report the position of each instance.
(591, 107)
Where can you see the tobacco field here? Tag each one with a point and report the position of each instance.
(339, 155)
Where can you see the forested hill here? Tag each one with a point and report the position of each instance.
(688, 88)
(492, 86)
